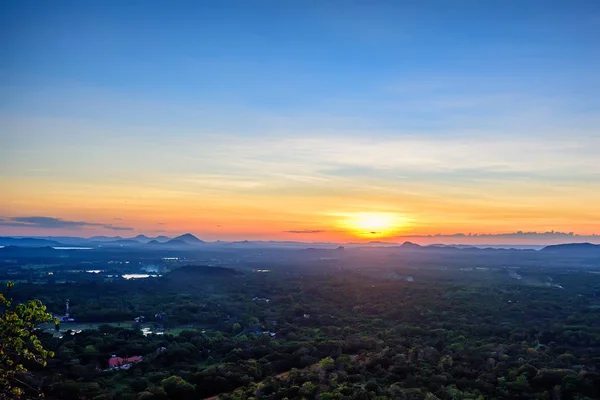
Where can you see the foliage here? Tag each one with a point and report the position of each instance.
(364, 333)
(19, 344)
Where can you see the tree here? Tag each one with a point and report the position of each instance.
(327, 364)
(19, 343)
(178, 388)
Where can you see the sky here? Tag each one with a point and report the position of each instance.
(300, 120)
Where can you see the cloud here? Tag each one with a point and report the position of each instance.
(117, 228)
(306, 231)
(54, 223)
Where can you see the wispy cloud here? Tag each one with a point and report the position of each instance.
(55, 223)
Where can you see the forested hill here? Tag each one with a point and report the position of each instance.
(574, 249)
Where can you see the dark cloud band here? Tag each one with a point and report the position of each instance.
(55, 223)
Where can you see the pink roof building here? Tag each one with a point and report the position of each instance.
(118, 362)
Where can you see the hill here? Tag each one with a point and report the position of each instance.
(175, 243)
(142, 238)
(26, 251)
(188, 238)
(105, 238)
(410, 246)
(126, 242)
(573, 249)
(27, 242)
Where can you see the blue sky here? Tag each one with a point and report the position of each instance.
(459, 101)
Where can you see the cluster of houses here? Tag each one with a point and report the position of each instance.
(116, 363)
(122, 363)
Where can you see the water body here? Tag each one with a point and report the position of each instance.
(139, 276)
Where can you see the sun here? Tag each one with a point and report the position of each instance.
(374, 224)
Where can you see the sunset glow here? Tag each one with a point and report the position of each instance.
(242, 138)
(374, 224)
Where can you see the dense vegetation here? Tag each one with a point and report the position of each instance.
(467, 331)
(19, 344)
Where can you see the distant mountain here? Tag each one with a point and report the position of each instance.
(29, 251)
(66, 240)
(410, 246)
(142, 238)
(126, 242)
(162, 239)
(105, 238)
(168, 244)
(573, 249)
(115, 243)
(175, 243)
(188, 238)
(28, 242)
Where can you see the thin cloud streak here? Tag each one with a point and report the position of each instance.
(55, 223)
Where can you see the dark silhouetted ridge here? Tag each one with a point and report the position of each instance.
(142, 238)
(27, 242)
(410, 246)
(573, 249)
(26, 251)
(175, 242)
(128, 242)
(188, 238)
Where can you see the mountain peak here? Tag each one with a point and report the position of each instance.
(189, 239)
(142, 238)
(410, 245)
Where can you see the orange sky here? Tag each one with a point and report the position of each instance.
(283, 210)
